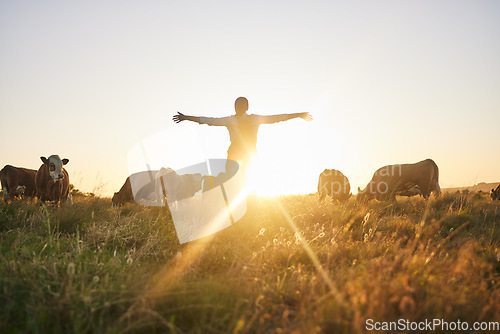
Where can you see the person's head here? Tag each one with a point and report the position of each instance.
(241, 105)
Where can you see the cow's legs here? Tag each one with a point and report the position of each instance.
(426, 190)
(12, 192)
(437, 189)
(5, 189)
(42, 198)
(393, 189)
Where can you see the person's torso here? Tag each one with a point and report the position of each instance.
(243, 135)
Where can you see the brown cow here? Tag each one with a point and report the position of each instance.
(144, 190)
(52, 180)
(390, 180)
(124, 195)
(17, 181)
(333, 183)
(495, 193)
(146, 187)
(177, 187)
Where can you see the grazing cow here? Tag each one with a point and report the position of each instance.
(138, 187)
(124, 195)
(52, 180)
(210, 182)
(176, 187)
(17, 181)
(390, 180)
(495, 193)
(146, 187)
(334, 184)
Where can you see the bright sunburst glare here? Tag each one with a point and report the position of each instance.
(291, 156)
(260, 180)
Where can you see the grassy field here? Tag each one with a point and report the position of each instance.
(299, 265)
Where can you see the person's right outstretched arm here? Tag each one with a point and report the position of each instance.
(181, 117)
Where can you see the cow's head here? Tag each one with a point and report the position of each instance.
(361, 197)
(54, 163)
(114, 200)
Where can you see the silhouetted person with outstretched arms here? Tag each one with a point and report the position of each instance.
(242, 128)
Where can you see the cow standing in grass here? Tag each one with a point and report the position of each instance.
(17, 181)
(390, 180)
(150, 187)
(52, 180)
(124, 195)
(176, 187)
(333, 183)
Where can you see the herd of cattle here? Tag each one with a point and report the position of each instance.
(51, 183)
(421, 178)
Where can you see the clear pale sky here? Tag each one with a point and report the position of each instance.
(386, 81)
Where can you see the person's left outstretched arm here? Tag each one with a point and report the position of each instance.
(217, 121)
(264, 119)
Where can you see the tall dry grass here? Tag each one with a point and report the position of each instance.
(299, 264)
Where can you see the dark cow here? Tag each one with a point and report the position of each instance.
(177, 187)
(390, 180)
(124, 195)
(52, 180)
(17, 181)
(333, 183)
(495, 193)
(150, 190)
